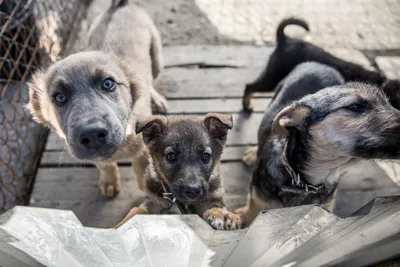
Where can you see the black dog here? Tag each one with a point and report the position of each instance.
(309, 134)
(290, 52)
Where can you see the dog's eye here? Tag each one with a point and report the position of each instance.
(60, 98)
(108, 85)
(171, 157)
(205, 158)
(356, 107)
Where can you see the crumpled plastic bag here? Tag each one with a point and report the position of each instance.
(57, 238)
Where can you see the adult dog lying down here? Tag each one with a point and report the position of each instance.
(308, 134)
(92, 99)
(291, 51)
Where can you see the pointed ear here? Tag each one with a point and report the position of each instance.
(218, 124)
(151, 127)
(288, 117)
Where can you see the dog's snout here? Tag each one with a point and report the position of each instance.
(93, 135)
(192, 191)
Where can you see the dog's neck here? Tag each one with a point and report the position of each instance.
(312, 169)
(316, 166)
(325, 172)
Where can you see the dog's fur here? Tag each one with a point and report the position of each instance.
(290, 52)
(185, 158)
(323, 131)
(95, 121)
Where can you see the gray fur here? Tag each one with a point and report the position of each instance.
(372, 136)
(325, 130)
(97, 124)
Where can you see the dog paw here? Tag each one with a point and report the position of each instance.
(158, 103)
(109, 189)
(250, 156)
(222, 219)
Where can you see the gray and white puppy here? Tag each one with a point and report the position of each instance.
(92, 99)
(305, 138)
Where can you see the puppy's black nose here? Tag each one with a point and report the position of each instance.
(94, 135)
(192, 191)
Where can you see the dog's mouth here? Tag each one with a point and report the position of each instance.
(105, 150)
(101, 154)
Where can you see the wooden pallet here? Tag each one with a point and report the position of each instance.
(196, 80)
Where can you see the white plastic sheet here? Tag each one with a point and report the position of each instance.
(57, 238)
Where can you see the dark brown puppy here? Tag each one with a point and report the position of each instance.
(302, 148)
(290, 52)
(183, 174)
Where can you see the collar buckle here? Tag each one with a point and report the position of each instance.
(297, 185)
(169, 196)
(300, 187)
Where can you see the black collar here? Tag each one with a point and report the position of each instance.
(297, 185)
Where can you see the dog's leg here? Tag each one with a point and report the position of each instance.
(159, 103)
(139, 165)
(250, 156)
(157, 63)
(254, 206)
(246, 101)
(134, 211)
(110, 181)
(147, 207)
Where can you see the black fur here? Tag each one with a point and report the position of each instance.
(270, 174)
(118, 3)
(281, 38)
(290, 52)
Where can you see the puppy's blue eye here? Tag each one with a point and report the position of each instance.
(205, 158)
(108, 85)
(171, 157)
(60, 98)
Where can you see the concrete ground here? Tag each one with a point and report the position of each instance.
(361, 24)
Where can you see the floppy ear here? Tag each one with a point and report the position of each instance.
(38, 100)
(288, 117)
(218, 124)
(151, 127)
(135, 81)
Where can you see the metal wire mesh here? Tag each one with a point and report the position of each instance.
(33, 34)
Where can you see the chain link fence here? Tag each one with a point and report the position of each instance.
(33, 33)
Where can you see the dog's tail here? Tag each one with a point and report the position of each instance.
(280, 34)
(118, 3)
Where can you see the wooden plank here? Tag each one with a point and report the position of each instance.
(64, 158)
(225, 55)
(205, 83)
(245, 129)
(240, 56)
(390, 66)
(244, 132)
(201, 106)
(76, 189)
